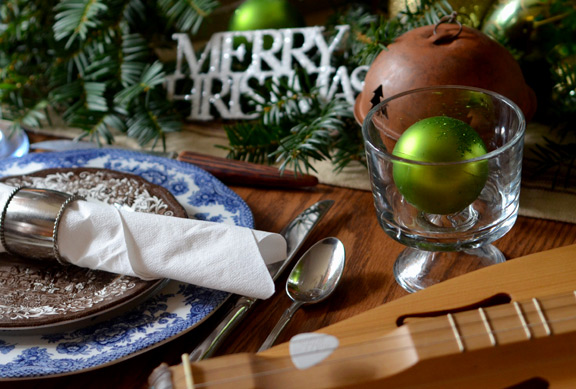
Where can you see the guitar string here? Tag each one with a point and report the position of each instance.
(391, 338)
(385, 337)
(340, 360)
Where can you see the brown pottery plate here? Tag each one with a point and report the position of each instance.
(37, 294)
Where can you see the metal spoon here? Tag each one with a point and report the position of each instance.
(313, 279)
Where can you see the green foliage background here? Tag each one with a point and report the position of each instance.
(94, 64)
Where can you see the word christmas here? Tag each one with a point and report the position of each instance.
(233, 64)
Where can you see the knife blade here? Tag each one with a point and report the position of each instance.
(227, 170)
(295, 234)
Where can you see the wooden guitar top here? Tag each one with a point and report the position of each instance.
(546, 357)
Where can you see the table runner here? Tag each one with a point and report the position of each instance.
(537, 198)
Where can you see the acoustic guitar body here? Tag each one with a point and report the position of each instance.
(539, 364)
(511, 325)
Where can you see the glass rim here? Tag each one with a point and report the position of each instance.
(489, 155)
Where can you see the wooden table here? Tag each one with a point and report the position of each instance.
(368, 281)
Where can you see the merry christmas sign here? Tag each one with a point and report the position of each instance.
(233, 64)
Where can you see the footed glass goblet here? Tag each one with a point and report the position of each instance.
(445, 190)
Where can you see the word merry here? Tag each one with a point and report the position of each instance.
(234, 64)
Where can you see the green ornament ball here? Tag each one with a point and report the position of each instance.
(265, 14)
(440, 189)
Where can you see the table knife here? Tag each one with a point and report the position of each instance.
(227, 170)
(295, 234)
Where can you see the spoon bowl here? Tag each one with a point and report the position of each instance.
(313, 279)
(316, 274)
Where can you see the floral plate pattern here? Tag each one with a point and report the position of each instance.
(35, 294)
(176, 309)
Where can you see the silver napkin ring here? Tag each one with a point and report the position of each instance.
(29, 222)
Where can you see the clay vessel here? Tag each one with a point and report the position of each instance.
(444, 55)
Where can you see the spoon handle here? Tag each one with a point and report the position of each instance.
(284, 319)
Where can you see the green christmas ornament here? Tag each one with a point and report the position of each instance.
(265, 14)
(439, 189)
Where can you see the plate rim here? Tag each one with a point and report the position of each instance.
(148, 287)
(126, 352)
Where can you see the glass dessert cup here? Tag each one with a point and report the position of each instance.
(442, 211)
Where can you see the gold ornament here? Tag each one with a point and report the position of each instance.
(517, 21)
(564, 59)
(471, 13)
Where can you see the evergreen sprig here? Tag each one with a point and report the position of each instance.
(313, 135)
(274, 139)
(557, 159)
(187, 15)
(297, 126)
(370, 39)
(553, 46)
(92, 63)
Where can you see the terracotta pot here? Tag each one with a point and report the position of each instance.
(423, 57)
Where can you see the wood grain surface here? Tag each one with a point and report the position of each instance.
(522, 337)
(367, 282)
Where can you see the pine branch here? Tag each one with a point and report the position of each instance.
(360, 20)
(92, 62)
(151, 120)
(371, 42)
(134, 53)
(152, 76)
(312, 137)
(252, 141)
(74, 18)
(295, 126)
(98, 127)
(187, 15)
(95, 100)
(556, 158)
(28, 116)
(371, 39)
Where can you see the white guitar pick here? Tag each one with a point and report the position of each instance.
(309, 349)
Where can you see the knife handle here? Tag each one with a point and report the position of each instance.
(206, 349)
(244, 173)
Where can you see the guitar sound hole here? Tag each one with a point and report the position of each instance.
(497, 299)
(532, 383)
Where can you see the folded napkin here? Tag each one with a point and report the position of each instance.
(149, 246)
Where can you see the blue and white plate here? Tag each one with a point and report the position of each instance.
(175, 310)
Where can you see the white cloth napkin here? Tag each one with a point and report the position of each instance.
(149, 246)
